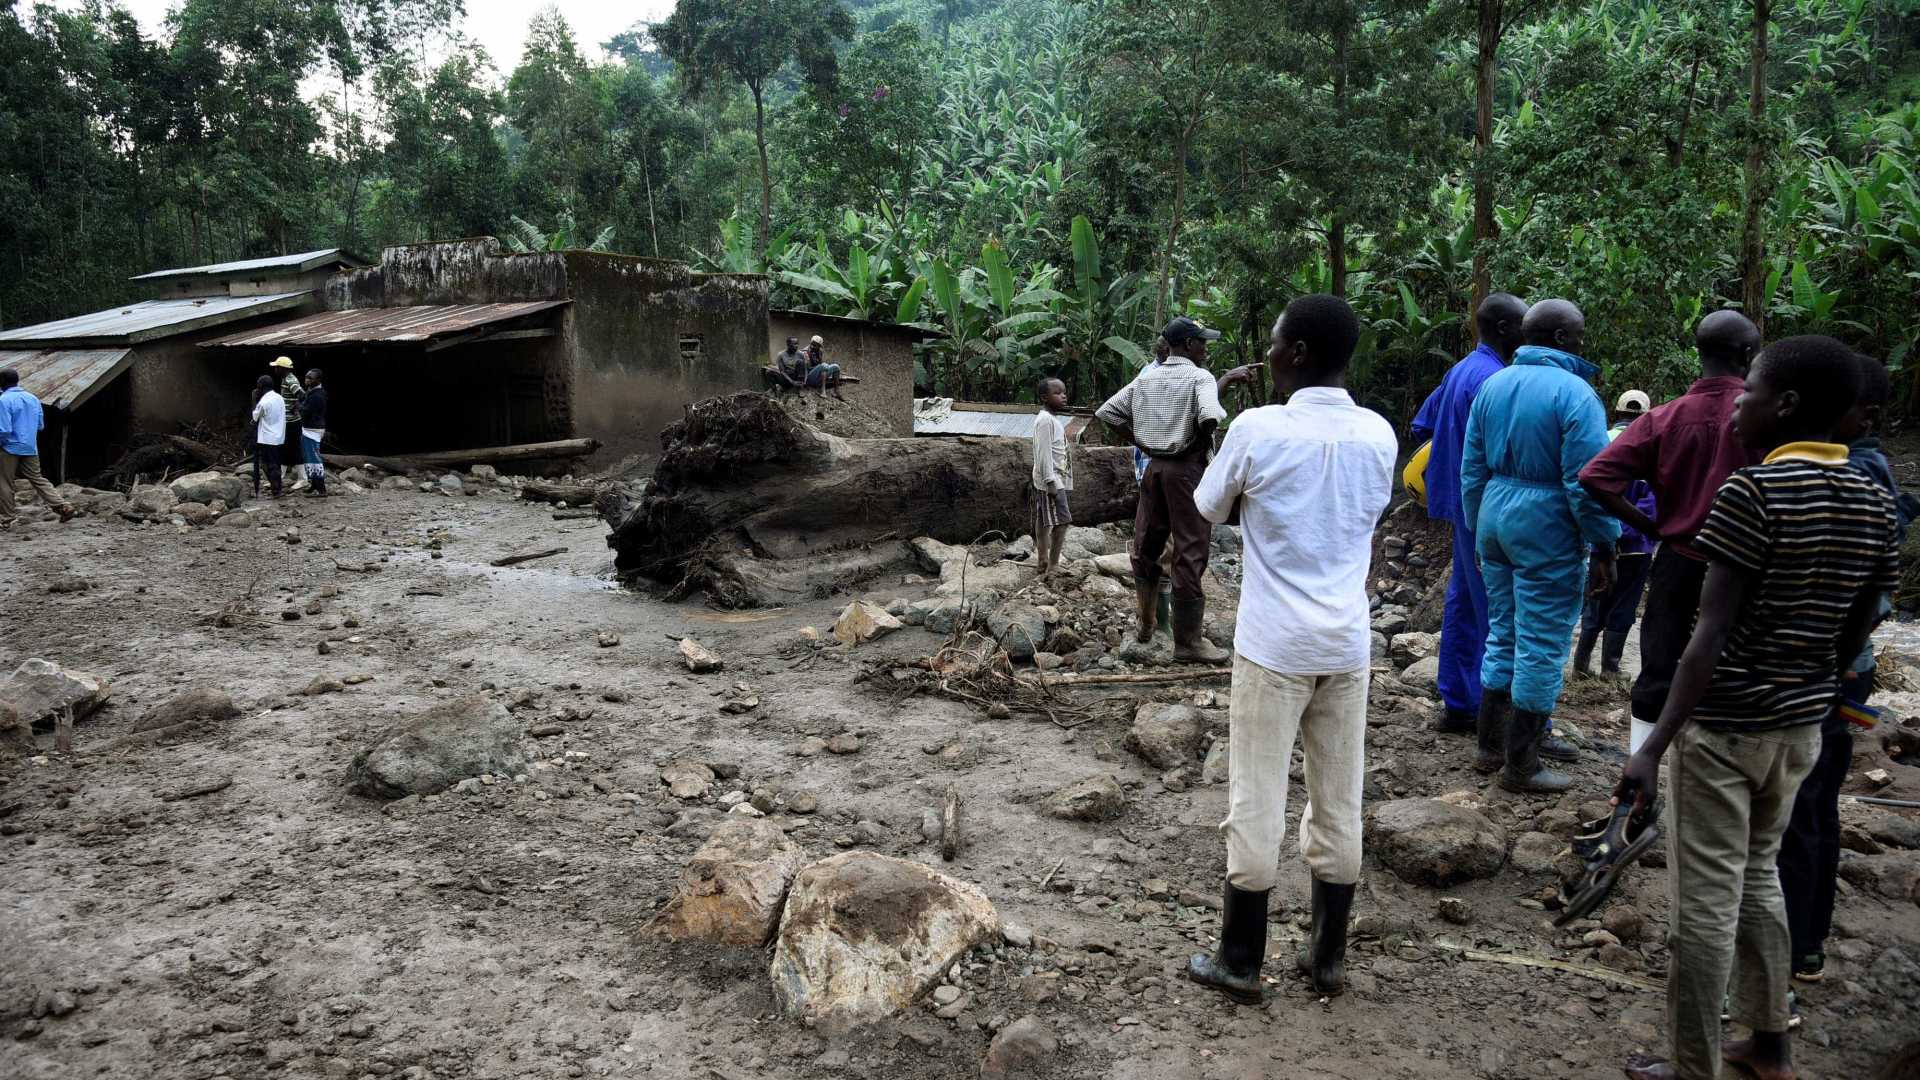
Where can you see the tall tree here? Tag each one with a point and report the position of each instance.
(719, 42)
(1753, 255)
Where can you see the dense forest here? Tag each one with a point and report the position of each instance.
(1044, 180)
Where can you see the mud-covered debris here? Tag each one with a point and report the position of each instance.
(698, 658)
(438, 748)
(200, 705)
(69, 583)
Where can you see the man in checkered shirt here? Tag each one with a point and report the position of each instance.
(1170, 412)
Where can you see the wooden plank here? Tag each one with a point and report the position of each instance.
(480, 455)
(515, 560)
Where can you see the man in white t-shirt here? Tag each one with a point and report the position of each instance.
(1310, 479)
(269, 434)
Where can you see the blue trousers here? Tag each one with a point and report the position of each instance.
(1463, 627)
(1619, 606)
(1533, 599)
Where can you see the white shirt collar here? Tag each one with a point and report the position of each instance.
(1326, 395)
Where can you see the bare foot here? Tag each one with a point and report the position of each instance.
(1741, 1055)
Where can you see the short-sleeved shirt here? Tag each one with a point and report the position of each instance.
(1165, 406)
(1815, 534)
(270, 420)
(1684, 450)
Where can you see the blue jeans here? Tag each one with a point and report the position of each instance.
(1616, 609)
(819, 373)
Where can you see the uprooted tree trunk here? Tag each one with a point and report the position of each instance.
(758, 509)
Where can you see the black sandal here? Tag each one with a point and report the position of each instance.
(1609, 845)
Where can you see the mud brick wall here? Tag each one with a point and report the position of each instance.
(879, 354)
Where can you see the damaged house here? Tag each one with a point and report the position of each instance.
(137, 367)
(458, 345)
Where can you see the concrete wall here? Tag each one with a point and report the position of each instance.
(176, 383)
(880, 354)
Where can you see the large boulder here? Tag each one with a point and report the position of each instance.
(205, 487)
(1167, 736)
(1894, 876)
(151, 500)
(38, 689)
(731, 891)
(1097, 798)
(1429, 842)
(863, 935)
(202, 705)
(439, 748)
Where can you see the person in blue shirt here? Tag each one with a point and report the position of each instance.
(20, 422)
(1531, 429)
(1443, 419)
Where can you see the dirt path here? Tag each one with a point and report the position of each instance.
(284, 926)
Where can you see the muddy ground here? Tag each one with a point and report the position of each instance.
(282, 926)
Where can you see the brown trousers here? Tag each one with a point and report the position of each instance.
(1166, 514)
(26, 468)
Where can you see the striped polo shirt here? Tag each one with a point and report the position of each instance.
(1165, 406)
(1815, 534)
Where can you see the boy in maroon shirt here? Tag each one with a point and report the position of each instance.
(1684, 450)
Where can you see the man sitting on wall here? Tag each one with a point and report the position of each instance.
(789, 370)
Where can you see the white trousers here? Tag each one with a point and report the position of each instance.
(1329, 714)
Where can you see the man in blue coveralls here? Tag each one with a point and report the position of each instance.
(1443, 419)
(1529, 432)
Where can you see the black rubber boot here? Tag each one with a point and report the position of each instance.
(1323, 956)
(1144, 595)
(1583, 651)
(1523, 772)
(1492, 729)
(1455, 722)
(1190, 646)
(1612, 647)
(1555, 748)
(1234, 967)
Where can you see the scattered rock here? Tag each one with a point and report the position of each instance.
(606, 639)
(1624, 922)
(1407, 648)
(1097, 798)
(863, 621)
(1454, 910)
(439, 748)
(1019, 1046)
(844, 743)
(1167, 736)
(205, 487)
(1217, 769)
(803, 803)
(151, 500)
(40, 688)
(1429, 842)
(699, 659)
(1535, 852)
(322, 684)
(69, 583)
(687, 779)
(732, 889)
(1423, 674)
(864, 935)
(1895, 876)
(1879, 777)
(450, 484)
(200, 705)
(946, 995)
(1021, 630)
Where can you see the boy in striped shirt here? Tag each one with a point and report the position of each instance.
(1799, 549)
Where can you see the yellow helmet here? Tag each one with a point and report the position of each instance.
(1414, 476)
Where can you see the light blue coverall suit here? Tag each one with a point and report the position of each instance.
(1531, 429)
(1463, 623)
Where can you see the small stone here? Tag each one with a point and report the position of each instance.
(323, 685)
(1879, 777)
(946, 995)
(844, 743)
(1618, 957)
(290, 615)
(698, 658)
(1019, 1047)
(803, 803)
(1535, 852)
(1624, 922)
(810, 747)
(1017, 936)
(686, 779)
(1594, 939)
(999, 711)
(607, 639)
(1096, 798)
(60, 1003)
(1455, 910)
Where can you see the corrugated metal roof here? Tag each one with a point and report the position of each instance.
(149, 319)
(389, 325)
(305, 260)
(65, 378)
(1010, 425)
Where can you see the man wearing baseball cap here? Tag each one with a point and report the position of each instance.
(1170, 412)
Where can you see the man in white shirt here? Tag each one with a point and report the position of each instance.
(1170, 411)
(1052, 476)
(1311, 479)
(269, 433)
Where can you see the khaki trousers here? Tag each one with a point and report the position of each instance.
(1329, 714)
(1729, 797)
(28, 469)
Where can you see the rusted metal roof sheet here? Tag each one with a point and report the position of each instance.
(65, 378)
(301, 261)
(424, 324)
(132, 324)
